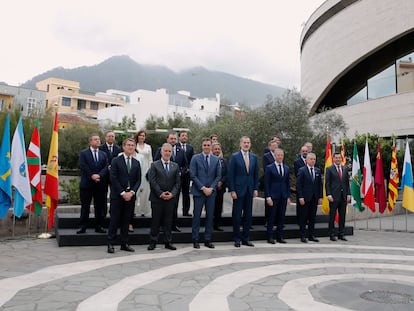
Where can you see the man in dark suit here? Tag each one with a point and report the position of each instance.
(309, 193)
(243, 186)
(164, 178)
(269, 158)
(205, 173)
(178, 157)
(299, 162)
(338, 193)
(277, 195)
(185, 177)
(221, 186)
(125, 181)
(112, 150)
(94, 168)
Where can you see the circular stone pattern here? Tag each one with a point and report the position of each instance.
(388, 297)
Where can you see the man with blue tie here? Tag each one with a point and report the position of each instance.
(94, 168)
(125, 181)
(243, 184)
(221, 186)
(277, 194)
(309, 192)
(205, 173)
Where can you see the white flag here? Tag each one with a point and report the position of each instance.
(19, 171)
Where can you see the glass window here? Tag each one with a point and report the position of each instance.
(81, 104)
(94, 105)
(359, 97)
(405, 73)
(382, 84)
(66, 101)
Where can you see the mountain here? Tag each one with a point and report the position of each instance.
(123, 73)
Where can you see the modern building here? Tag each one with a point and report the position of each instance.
(29, 102)
(357, 59)
(65, 96)
(142, 104)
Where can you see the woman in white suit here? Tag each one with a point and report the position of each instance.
(142, 205)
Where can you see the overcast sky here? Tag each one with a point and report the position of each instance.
(253, 39)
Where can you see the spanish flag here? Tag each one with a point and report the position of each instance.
(328, 163)
(52, 177)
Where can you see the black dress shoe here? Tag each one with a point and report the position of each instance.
(332, 238)
(151, 247)
(248, 243)
(218, 229)
(111, 249)
(281, 241)
(313, 239)
(81, 231)
(271, 241)
(127, 248)
(303, 240)
(236, 244)
(170, 246)
(342, 238)
(100, 230)
(208, 244)
(196, 245)
(175, 229)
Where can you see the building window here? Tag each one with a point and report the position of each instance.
(81, 104)
(94, 105)
(31, 105)
(382, 84)
(66, 101)
(359, 97)
(1, 104)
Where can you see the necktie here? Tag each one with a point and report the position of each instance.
(184, 148)
(280, 170)
(340, 172)
(174, 153)
(166, 168)
(313, 176)
(95, 156)
(207, 161)
(128, 164)
(246, 160)
(110, 149)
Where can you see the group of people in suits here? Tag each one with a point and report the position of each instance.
(175, 166)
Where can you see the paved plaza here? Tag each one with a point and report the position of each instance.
(374, 270)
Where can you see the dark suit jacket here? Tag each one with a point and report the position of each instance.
(306, 187)
(203, 177)
(239, 180)
(297, 164)
(88, 167)
(189, 152)
(224, 172)
(161, 182)
(120, 177)
(110, 155)
(179, 158)
(267, 159)
(334, 186)
(275, 185)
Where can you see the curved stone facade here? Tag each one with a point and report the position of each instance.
(344, 44)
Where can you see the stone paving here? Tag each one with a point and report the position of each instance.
(374, 270)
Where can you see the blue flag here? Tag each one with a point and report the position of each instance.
(5, 171)
(20, 172)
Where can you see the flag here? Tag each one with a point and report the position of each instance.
(394, 180)
(343, 161)
(407, 181)
(35, 171)
(356, 182)
(52, 177)
(367, 184)
(379, 182)
(5, 171)
(19, 171)
(328, 163)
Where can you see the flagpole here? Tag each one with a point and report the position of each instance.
(406, 220)
(30, 218)
(13, 225)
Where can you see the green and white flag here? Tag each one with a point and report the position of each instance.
(356, 200)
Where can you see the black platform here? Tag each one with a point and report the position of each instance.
(67, 225)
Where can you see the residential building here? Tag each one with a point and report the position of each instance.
(29, 102)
